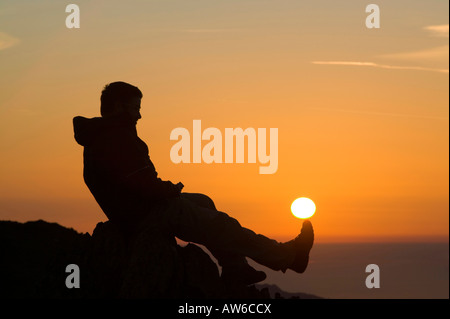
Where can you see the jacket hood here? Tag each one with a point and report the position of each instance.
(87, 129)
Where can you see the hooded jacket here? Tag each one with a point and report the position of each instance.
(118, 170)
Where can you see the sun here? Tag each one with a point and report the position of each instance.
(303, 208)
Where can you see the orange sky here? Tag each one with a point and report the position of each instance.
(362, 115)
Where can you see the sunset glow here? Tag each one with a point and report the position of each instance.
(361, 115)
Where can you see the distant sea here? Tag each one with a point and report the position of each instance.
(407, 271)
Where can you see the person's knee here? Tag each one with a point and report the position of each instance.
(206, 201)
(209, 202)
(200, 199)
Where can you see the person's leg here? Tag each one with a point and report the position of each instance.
(234, 266)
(224, 258)
(219, 232)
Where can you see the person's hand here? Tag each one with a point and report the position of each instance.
(180, 186)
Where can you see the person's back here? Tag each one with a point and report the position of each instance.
(106, 161)
(113, 154)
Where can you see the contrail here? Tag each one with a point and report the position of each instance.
(380, 113)
(7, 41)
(382, 66)
(438, 30)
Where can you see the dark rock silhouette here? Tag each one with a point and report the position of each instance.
(276, 293)
(34, 256)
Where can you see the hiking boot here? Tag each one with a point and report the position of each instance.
(302, 244)
(242, 274)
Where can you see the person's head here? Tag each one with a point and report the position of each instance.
(121, 98)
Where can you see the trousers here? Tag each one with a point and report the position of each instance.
(193, 217)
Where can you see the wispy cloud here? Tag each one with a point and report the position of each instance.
(436, 57)
(377, 65)
(438, 54)
(371, 113)
(438, 30)
(208, 30)
(7, 41)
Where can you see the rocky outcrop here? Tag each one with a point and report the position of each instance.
(34, 257)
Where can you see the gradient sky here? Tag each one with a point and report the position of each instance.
(362, 114)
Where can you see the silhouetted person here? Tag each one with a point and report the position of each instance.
(120, 175)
